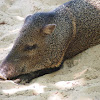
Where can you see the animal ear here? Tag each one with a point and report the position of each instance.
(29, 16)
(48, 29)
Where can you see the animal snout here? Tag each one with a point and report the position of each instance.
(7, 71)
(2, 76)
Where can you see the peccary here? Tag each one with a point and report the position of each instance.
(48, 38)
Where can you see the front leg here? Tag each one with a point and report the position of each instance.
(22, 79)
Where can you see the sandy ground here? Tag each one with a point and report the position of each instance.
(79, 79)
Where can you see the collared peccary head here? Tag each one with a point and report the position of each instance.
(37, 47)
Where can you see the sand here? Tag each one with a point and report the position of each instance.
(79, 79)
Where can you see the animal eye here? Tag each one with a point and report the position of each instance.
(30, 47)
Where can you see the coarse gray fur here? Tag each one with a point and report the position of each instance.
(47, 38)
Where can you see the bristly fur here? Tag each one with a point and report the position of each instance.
(48, 38)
